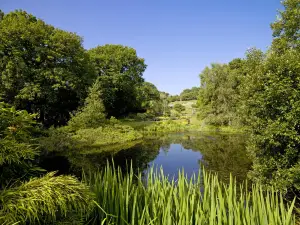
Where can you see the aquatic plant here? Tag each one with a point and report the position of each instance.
(157, 199)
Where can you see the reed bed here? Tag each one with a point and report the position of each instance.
(125, 199)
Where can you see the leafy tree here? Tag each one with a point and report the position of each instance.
(1, 14)
(92, 114)
(216, 95)
(190, 94)
(222, 96)
(275, 123)
(286, 28)
(120, 71)
(165, 103)
(149, 98)
(275, 105)
(179, 107)
(43, 70)
(173, 98)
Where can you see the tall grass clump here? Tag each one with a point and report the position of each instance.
(155, 199)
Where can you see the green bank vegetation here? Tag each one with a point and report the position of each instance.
(57, 96)
(131, 199)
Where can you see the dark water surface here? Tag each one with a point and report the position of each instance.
(222, 153)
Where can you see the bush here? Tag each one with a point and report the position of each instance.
(96, 137)
(57, 139)
(167, 126)
(179, 107)
(45, 199)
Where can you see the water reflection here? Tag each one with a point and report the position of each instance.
(220, 153)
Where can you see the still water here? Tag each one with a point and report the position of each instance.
(221, 153)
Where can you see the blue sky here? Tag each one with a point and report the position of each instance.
(177, 38)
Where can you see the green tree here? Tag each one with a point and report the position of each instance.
(165, 103)
(216, 92)
(173, 98)
(179, 107)
(286, 29)
(92, 114)
(120, 71)
(43, 70)
(190, 94)
(147, 95)
(1, 14)
(275, 105)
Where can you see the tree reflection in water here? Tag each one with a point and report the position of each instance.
(221, 153)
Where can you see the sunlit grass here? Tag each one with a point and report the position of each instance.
(129, 199)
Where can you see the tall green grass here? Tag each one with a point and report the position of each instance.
(128, 199)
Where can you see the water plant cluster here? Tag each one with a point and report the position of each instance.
(155, 198)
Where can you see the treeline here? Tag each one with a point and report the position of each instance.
(262, 93)
(185, 95)
(46, 71)
(48, 80)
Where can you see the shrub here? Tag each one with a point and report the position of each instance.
(179, 107)
(96, 137)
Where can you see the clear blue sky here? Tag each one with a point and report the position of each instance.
(177, 38)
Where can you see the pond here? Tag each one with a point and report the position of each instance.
(221, 153)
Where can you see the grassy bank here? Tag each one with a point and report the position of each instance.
(181, 125)
(129, 199)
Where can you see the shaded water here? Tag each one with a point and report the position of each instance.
(222, 153)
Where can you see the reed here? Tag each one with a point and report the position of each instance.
(155, 199)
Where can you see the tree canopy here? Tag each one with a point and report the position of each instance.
(262, 93)
(43, 69)
(190, 94)
(119, 71)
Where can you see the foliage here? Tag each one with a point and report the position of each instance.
(274, 116)
(16, 147)
(95, 137)
(44, 200)
(158, 199)
(57, 140)
(119, 71)
(190, 94)
(38, 199)
(165, 100)
(219, 91)
(92, 114)
(149, 97)
(173, 98)
(16, 124)
(179, 107)
(286, 28)
(222, 153)
(44, 70)
(273, 106)
(185, 95)
(167, 126)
